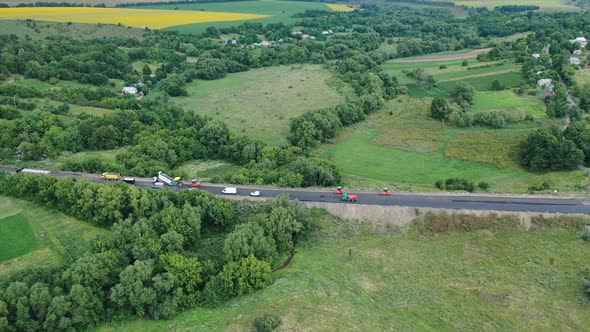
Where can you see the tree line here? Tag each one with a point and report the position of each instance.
(151, 263)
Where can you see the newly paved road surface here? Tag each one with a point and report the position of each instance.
(520, 203)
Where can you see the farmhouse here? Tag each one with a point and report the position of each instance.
(545, 87)
(575, 61)
(129, 90)
(577, 52)
(580, 40)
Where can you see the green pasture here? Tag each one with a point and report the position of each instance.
(355, 277)
(260, 102)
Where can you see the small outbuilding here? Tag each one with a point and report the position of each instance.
(130, 90)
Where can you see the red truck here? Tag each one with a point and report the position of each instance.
(349, 197)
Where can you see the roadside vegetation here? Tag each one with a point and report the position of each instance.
(480, 273)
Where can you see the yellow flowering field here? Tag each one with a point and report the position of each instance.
(140, 18)
(339, 8)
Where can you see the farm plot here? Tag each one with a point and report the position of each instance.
(372, 278)
(402, 147)
(448, 73)
(140, 18)
(508, 101)
(260, 103)
(273, 11)
(30, 235)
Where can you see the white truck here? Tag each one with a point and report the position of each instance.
(168, 179)
(229, 191)
(31, 170)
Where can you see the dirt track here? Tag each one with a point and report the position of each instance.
(462, 56)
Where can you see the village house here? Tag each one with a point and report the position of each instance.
(129, 90)
(536, 56)
(296, 33)
(580, 40)
(575, 61)
(545, 87)
(577, 52)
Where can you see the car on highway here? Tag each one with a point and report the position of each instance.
(195, 183)
(129, 180)
(385, 192)
(18, 170)
(255, 193)
(229, 191)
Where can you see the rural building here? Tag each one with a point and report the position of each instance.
(580, 40)
(536, 56)
(296, 33)
(545, 87)
(577, 52)
(129, 90)
(304, 36)
(575, 61)
(266, 43)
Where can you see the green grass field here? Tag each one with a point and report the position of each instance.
(30, 235)
(479, 77)
(260, 103)
(582, 76)
(546, 5)
(374, 278)
(40, 30)
(508, 100)
(204, 170)
(17, 237)
(281, 11)
(409, 151)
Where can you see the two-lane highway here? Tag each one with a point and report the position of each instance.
(522, 203)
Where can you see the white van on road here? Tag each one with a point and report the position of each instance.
(229, 191)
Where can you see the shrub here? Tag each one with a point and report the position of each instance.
(585, 233)
(465, 63)
(455, 184)
(483, 185)
(559, 222)
(546, 185)
(442, 67)
(266, 323)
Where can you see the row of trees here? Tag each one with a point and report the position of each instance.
(151, 264)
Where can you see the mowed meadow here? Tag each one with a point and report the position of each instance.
(140, 18)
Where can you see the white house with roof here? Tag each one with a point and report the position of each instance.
(577, 52)
(536, 56)
(130, 90)
(545, 87)
(580, 40)
(575, 61)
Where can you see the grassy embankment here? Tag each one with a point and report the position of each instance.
(363, 277)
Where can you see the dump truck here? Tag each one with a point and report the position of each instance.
(349, 197)
(108, 176)
(168, 179)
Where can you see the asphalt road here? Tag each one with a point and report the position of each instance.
(520, 203)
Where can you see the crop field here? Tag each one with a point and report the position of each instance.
(260, 103)
(340, 8)
(32, 235)
(275, 11)
(372, 278)
(508, 100)
(140, 18)
(547, 5)
(448, 72)
(407, 150)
